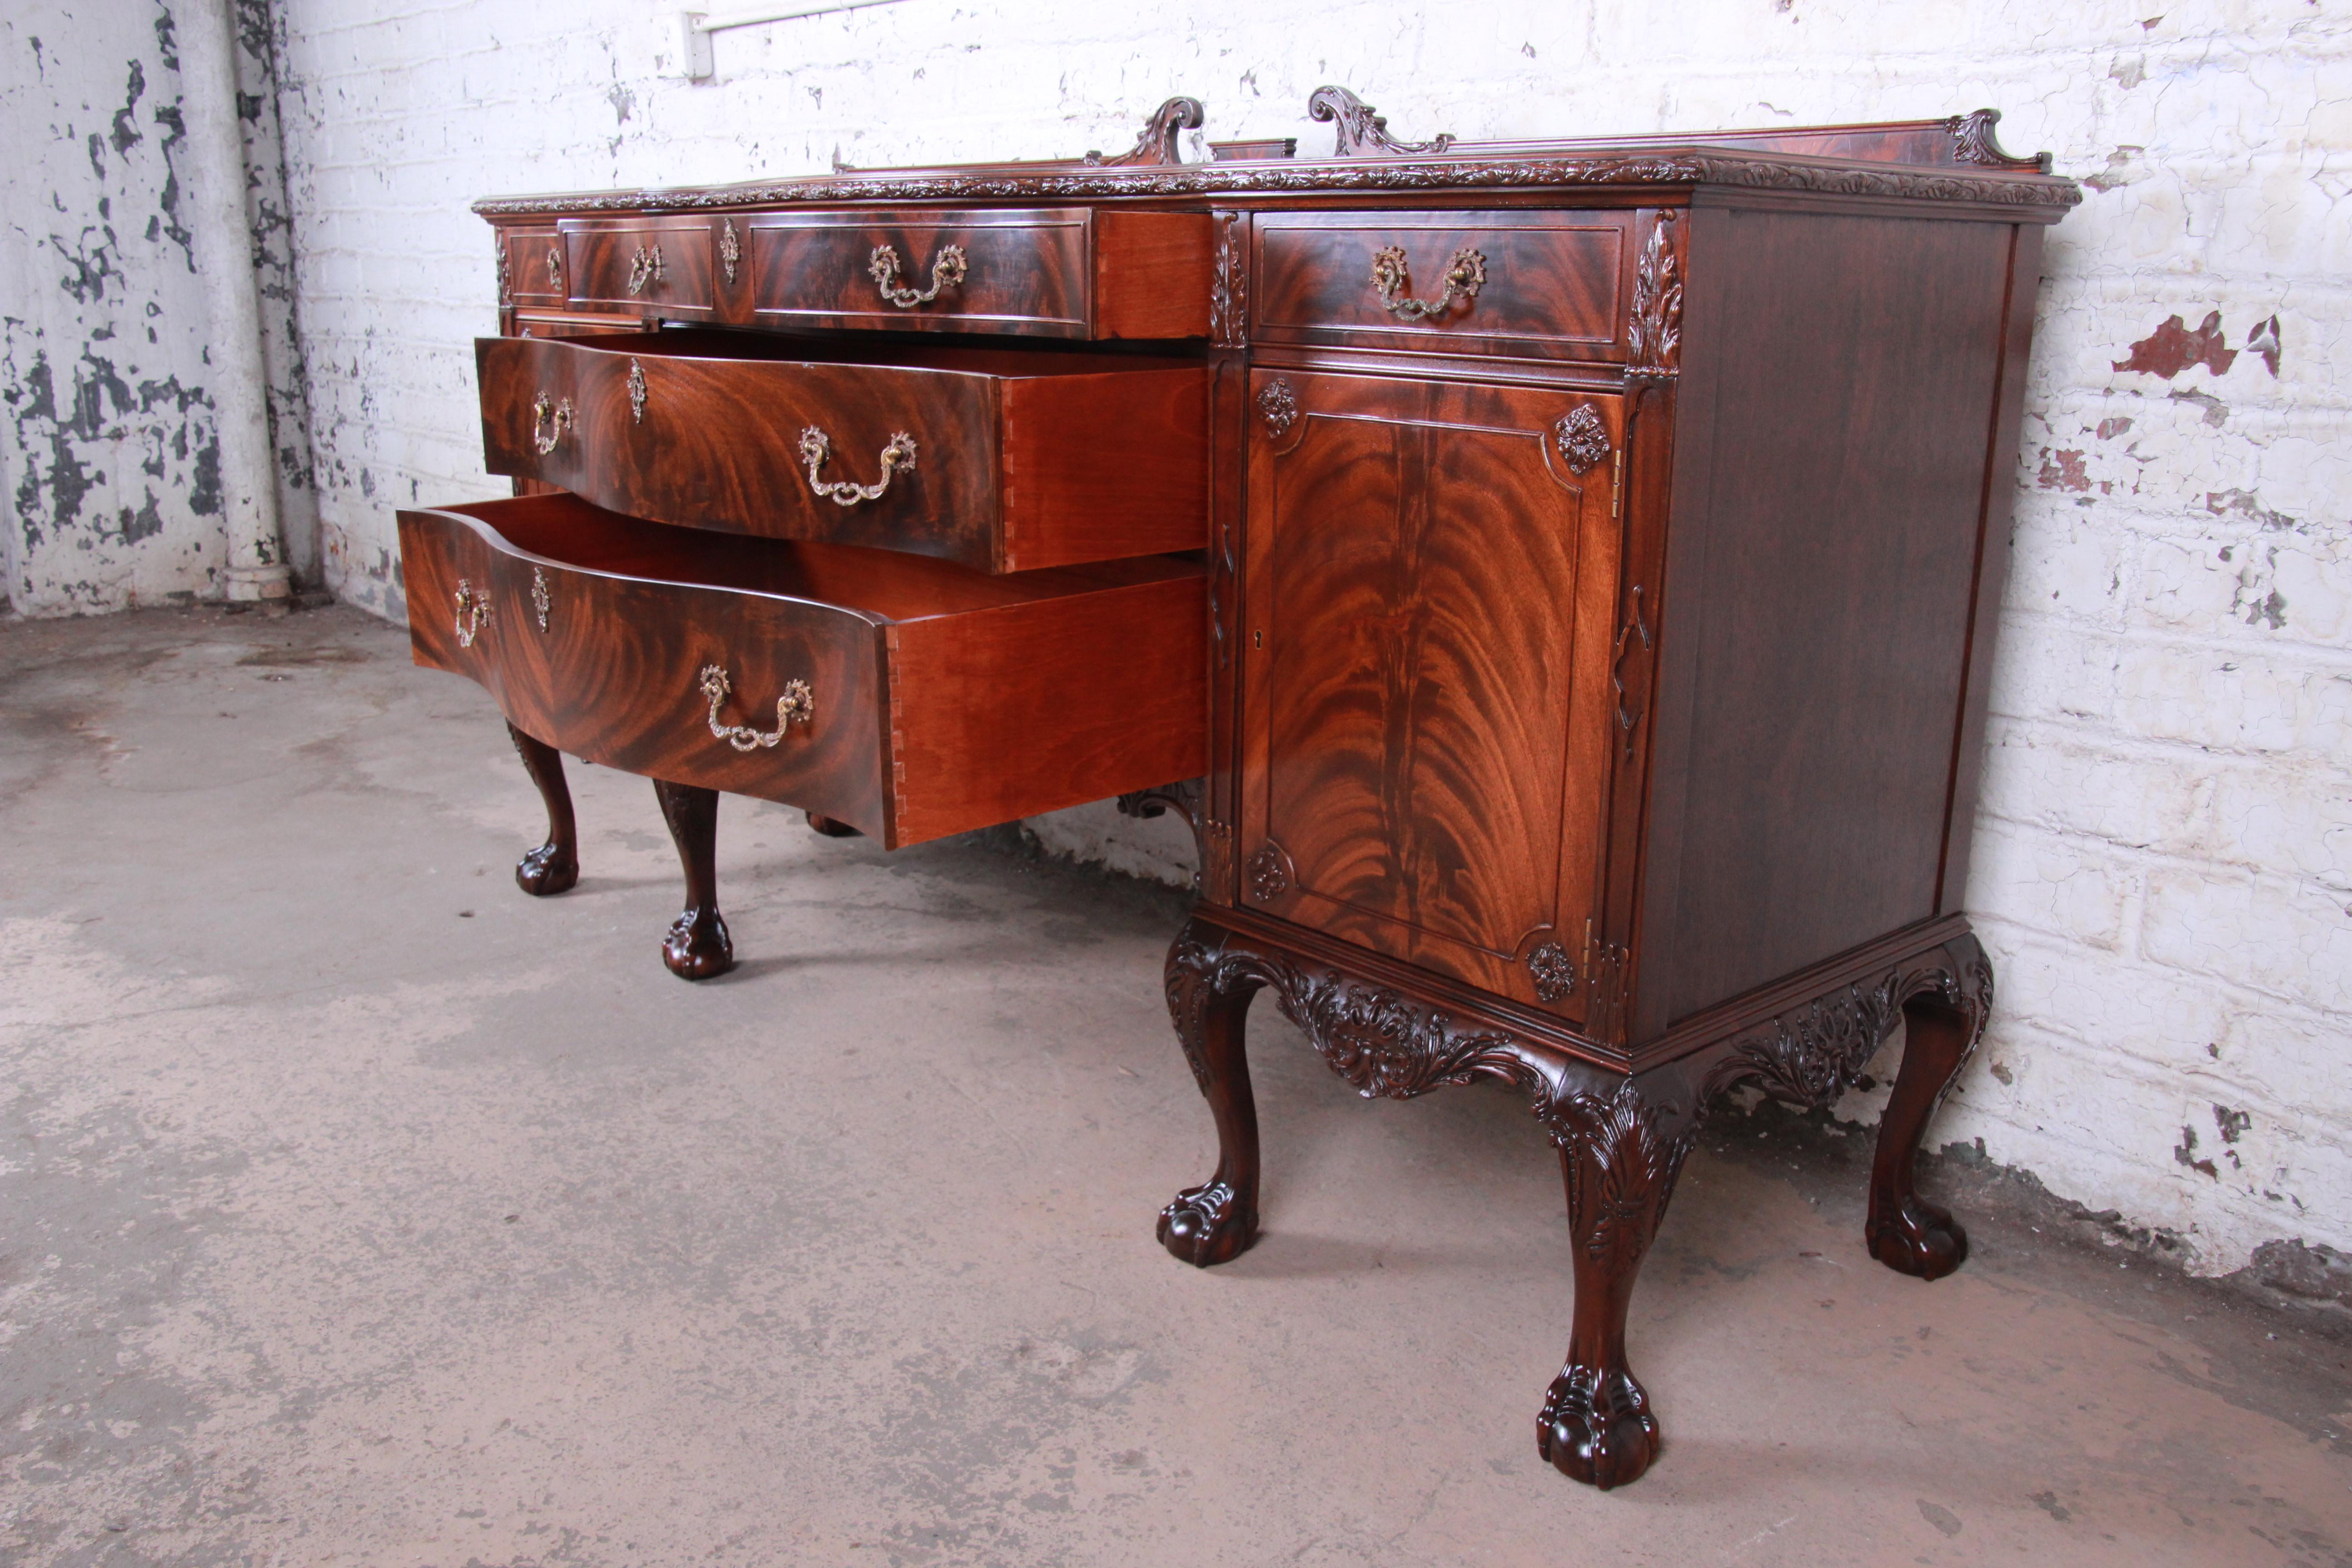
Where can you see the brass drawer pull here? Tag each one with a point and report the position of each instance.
(645, 267)
(473, 611)
(1466, 274)
(796, 706)
(549, 421)
(946, 272)
(815, 447)
(541, 601)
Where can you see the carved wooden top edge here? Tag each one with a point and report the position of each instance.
(1648, 167)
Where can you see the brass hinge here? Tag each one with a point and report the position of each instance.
(1617, 483)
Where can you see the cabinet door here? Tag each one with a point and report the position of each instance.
(1430, 593)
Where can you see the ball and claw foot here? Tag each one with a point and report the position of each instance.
(697, 946)
(1596, 1428)
(1919, 1239)
(548, 870)
(1207, 1225)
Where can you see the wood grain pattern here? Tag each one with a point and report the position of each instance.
(1154, 273)
(1428, 608)
(1554, 283)
(1018, 694)
(1822, 565)
(1024, 458)
(534, 264)
(598, 255)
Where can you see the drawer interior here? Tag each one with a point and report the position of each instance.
(885, 584)
(1010, 360)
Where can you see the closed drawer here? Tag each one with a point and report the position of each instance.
(1054, 272)
(534, 264)
(921, 699)
(1006, 459)
(1542, 284)
(650, 266)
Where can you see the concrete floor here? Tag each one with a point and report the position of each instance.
(356, 1209)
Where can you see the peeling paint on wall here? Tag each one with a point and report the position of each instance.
(109, 452)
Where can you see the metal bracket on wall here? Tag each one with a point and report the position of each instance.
(695, 27)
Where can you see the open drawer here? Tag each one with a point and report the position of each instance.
(1004, 459)
(907, 697)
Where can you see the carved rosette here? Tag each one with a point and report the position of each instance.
(1655, 334)
(1811, 1055)
(1553, 971)
(1278, 407)
(1229, 288)
(1582, 439)
(1363, 133)
(1157, 147)
(1269, 873)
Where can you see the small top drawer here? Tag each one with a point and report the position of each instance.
(533, 260)
(650, 266)
(1547, 284)
(1070, 273)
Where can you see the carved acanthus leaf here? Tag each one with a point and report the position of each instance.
(1229, 290)
(1811, 1055)
(1973, 142)
(1655, 334)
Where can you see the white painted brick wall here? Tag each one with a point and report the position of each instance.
(2165, 876)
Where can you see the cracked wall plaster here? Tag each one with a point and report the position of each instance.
(109, 458)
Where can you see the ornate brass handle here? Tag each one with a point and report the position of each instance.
(549, 421)
(946, 272)
(473, 611)
(636, 390)
(796, 706)
(815, 447)
(645, 267)
(1466, 274)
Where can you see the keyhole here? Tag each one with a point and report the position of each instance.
(1258, 639)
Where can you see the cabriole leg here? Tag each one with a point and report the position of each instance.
(697, 946)
(1905, 1232)
(1209, 995)
(1620, 1170)
(554, 867)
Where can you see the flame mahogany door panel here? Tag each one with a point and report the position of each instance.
(1430, 588)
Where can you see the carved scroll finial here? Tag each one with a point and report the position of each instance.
(1156, 148)
(1973, 142)
(1362, 132)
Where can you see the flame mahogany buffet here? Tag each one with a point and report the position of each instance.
(1561, 575)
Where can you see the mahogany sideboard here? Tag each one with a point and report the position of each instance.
(1556, 579)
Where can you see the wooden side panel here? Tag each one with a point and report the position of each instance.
(1101, 466)
(1553, 286)
(1839, 383)
(601, 257)
(1153, 274)
(1004, 713)
(1429, 596)
(614, 674)
(1024, 271)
